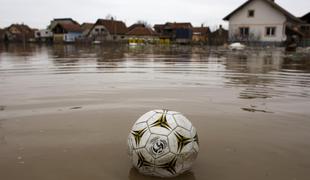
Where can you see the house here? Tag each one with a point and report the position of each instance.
(2, 35)
(305, 29)
(108, 30)
(262, 21)
(54, 22)
(18, 33)
(200, 34)
(176, 32)
(218, 37)
(66, 32)
(43, 35)
(86, 27)
(141, 32)
(135, 25)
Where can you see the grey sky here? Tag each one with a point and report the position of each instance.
(38, 13)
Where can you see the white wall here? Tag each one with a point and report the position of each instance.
(265, 16)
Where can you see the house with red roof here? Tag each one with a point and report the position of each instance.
(108, 30)
(262, 21)
(141, 32)
(201, 35)
(66, 32)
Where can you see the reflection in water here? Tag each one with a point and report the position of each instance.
(258, 73)
(135, 175)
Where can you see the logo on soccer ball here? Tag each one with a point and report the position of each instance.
(159, 145)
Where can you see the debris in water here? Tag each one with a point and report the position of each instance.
(2, 108)
(77, 107)
(255, 110)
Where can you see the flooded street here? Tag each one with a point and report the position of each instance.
(66, 111)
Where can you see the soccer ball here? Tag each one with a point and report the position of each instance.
(163, 143)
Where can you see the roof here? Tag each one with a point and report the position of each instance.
(21, 28)
(65, 20)
(219, 31)
(201, 30)
(141, 31)
(159, 27)
(70, 27)
(272, 4)
(113, 26)
(175, 25)
(306, 18)
(87, 26)
(1, 32)
(134, 26)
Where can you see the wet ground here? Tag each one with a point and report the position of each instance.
(66, 111)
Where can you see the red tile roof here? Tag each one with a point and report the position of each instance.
(201, 30)
(141, 31)
(185, 25)
(71, 27)
(86, 26)
(113, 26)
(134, 26)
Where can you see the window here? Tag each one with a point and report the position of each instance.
(96, 30)
(270, 31)
(244, 31)
(251, 13)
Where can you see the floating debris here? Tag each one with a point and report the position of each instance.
(255, 110)
(77, 107)
(236, 46)
(2, 108)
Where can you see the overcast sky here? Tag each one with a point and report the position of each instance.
(38, 13)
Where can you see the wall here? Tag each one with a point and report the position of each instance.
(71, 36)
(265, 15)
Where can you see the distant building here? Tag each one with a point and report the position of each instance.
(218, 37)
(201, 35)
(66, 32)
(262, 21)
(18, 33)
(86, 27)
(140, 31)
(43, 35)
(176, 32)
(305, 29)
(2, 32)
(135, 25)
(54, 22)
(108, 30)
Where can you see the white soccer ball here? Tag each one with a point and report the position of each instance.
(163, 143)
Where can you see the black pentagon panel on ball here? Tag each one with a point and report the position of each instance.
(142, 161)
(162, 121)
(196, 140)
(138, 135)
(170, 166)
(182, 141)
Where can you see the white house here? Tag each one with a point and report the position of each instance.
(261, 21)
(43, 35)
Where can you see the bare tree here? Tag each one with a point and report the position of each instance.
(145, 23)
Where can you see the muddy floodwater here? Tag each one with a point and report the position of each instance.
(66, 111)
